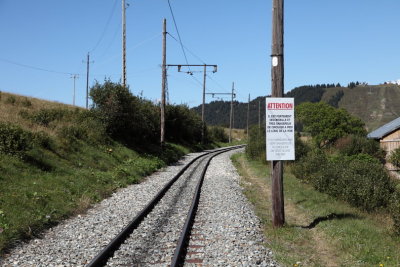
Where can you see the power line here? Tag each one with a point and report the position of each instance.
(105, 28)
(193, 54)
(34, 67)
(177, 31)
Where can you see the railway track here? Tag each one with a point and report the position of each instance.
(159, 234)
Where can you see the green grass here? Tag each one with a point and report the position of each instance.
(40, 193)
(354, 238)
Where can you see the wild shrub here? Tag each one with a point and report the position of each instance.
(217, 134)
(301, 148)
(310, 165)
(11, 100)
(394, 157)
(14, 140)
(358, 179)
(45, 116)
(182, 125)
(365, 184)
(327, 124)
(255, 148)
(127, 118)
(395, 211)
(26, 102)
(353, 145)
(42, 139)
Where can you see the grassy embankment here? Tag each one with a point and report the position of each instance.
(63, 167)
(319, 230)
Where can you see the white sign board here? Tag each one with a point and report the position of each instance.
(279, 128)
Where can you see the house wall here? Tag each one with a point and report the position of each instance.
(391, 141)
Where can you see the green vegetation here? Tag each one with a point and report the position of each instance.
(327, 124)
(375, 105)
(339, 181)
(394, 157)
(57, 160)
(319, 230)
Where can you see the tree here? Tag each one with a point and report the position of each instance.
(326, 124)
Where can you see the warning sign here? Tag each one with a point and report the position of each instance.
(279, 128)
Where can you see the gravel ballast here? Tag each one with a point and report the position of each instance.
(226, 230)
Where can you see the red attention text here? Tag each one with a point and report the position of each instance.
(280, 106)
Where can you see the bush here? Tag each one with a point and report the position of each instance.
(183, 125)
(45, 116)
(256, 147)
(353, 145)
(394, 157)
(42, 139)
(395, 211)
(217, 134)
(361, 180)
(26, 102)
(327, 124)
(308, 166)
(126, 118)
(14, 140)
(301, 148)
(11, 100)
(365, 185)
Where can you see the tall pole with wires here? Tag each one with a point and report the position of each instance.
(164, 80)
(123, 44)
(231, 116)
(248, 115)
(204, 101)
(87, 80)
(278, 212)
(74, 76)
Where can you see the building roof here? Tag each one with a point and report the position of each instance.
(385, 129)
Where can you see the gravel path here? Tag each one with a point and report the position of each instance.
(226, 232)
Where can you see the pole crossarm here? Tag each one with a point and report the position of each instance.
(193, 65)
(234, 95)
(204, 86)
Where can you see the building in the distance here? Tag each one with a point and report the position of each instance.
(388, 135)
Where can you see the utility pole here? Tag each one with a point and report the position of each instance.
(202, 106)
(259, 117)
(231, 117)
(204, 87)
(164, 81)
(123, 44)
(87, 79)
(248, 115)
(232, 94)
(74, 76)
(277, 74)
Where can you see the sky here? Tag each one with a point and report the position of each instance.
(44, 42)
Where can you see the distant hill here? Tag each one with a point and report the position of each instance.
(374, 104)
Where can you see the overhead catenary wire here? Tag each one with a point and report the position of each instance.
(35, 68)
(187, 49)
(177, 31)
(106, 26)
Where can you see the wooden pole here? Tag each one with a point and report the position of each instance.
(277, 76)
(164, 80)
(123, 44)
(202, 106)
(87, 81)
(231, 115)
(248, 115)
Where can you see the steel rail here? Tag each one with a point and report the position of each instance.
(183, 242)
(102, 257)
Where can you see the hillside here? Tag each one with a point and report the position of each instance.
(57, 160)
(374, 104)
